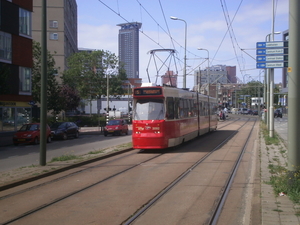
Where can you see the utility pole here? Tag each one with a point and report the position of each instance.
(271, 111)
(293, 88)
(43, 116)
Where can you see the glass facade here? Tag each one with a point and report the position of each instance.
(24, 22)
(5, 46)
(25, 81)
(12, 118)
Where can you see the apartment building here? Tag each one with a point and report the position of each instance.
(15, 63)
(62, 35)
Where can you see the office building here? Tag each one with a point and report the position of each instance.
(169, 79)
(61, 30)
(15, 63)
(129, 48)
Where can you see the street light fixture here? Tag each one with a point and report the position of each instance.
(184, 69)
(208, 74)
(268, 35)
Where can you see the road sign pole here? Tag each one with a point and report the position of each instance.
(268, 99)
(271, 111)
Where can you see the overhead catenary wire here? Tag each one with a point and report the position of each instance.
(173, 41)
(150, 38)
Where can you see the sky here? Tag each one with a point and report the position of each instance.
(227, 29)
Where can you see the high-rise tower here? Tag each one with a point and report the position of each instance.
(129, 48)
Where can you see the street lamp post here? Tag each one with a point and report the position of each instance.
(208, 74)
(184, 69)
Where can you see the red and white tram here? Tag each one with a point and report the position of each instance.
(167, 116)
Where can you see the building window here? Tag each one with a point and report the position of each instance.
(53, 24)
(5, 46)
(25, 81)
(24, 22)
(53, 36)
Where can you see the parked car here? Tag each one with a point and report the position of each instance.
(63, 130)
(277, 113)
(30, 133)
(243, 111)
(117, 126)
(249, 112)
(255, 112)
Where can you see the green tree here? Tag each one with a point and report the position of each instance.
(69, 98)
(53, 89)
(253, 88)
(88, 72)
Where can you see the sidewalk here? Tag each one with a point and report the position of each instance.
(275, 209)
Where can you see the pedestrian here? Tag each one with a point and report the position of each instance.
(223, 114)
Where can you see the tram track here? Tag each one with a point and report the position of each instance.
(219, 202)
(73, 193)
(76, 165)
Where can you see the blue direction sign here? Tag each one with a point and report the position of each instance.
(271, 65)
(273, 44)
(272, 54)
(272, 51)
(271, 58)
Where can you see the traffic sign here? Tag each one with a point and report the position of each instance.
(272, 44)
(271, 65)
(272, 54)
(272, 51)
(271, 58)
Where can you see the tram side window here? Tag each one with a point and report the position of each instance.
(205, 110)
(170, 108)
(181, 108)
(194, 107)
(200, 109)
(190, 108)
(176, 108)
(186, 108)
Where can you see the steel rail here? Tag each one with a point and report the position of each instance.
(214, 219)
(176, 181)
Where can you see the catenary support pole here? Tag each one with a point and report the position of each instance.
(43, 116)
(293, 87)
(271, 109)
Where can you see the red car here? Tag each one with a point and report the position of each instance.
(30, 133)
(117, 126)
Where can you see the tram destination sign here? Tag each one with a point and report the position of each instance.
(148, 91)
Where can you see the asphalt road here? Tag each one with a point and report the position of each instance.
(12, 157)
